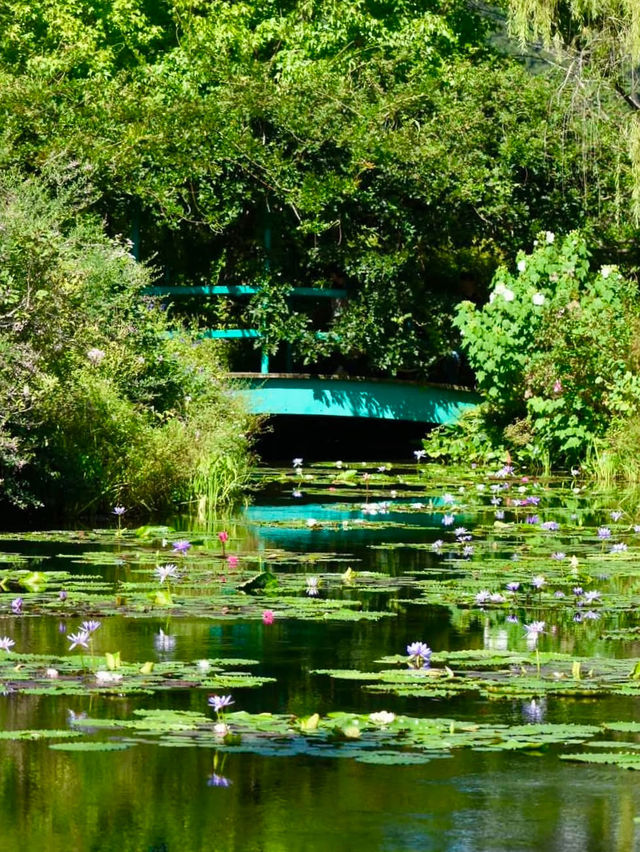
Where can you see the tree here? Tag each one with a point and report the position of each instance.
(598, 44)
(381, 147)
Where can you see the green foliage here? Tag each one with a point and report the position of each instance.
(553, 348)
(99, 404)
(385, 148)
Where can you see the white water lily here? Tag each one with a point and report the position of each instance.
(108, 677)
(383, 717)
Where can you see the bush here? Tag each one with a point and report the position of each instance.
(101, 403)
(554, 350)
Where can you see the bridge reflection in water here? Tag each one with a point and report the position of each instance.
(336, 396)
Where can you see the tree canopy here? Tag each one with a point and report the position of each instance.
(386, 148)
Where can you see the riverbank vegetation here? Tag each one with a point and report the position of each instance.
(101, 405)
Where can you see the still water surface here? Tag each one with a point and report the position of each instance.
(163, 798)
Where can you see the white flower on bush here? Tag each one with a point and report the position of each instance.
(508, 295)
(606, 271)
(538, 298)
(95, 355)
(522, 265)
(550, 237)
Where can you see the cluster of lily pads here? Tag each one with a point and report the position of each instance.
(537, 565)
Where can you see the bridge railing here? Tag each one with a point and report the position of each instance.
(238, 290)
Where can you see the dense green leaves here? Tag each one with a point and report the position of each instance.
(383, 148)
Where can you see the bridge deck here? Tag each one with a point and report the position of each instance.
(337, 396)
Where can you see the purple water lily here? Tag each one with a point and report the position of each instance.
(220, 702)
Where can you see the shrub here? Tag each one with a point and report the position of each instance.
(101, 403)
(553, 349)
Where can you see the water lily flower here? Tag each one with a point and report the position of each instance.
(311, 522)
(604, 533)
(166, 572)
(437, 545)
(118, 510)
(62, 596)
(79, 639)
(223, 536)
(382, 717)
(531, 519)
(558, 555)
(577, 591)
(483, 596)
(589, 597)
(52, 674)
(419, 655)
(268, 616)
(538, 582)
(513, 586)
(496, 597)
(220, 702)
(467, 550)
(233, 561)
(512, 619)
(297, 462)
(182, 546)
(108, 677)
(296, 493)
(312, 586)
(419, 454)
(6, 644)
(559, 594)
(16, 606)
(90, 626)
(615, 516)
(620, 547)
(591, 615)
(447, 520)
(499, 515)
(448, 498)
(203, 666)
(551, 526)
(220, 729)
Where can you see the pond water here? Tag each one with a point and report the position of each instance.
(521, 732)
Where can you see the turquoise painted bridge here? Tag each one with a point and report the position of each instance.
(336, 396)
(333, 396)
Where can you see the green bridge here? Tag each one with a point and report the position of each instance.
(334, 396)
(382, 399)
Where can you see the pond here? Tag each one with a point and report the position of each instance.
(372, 656)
